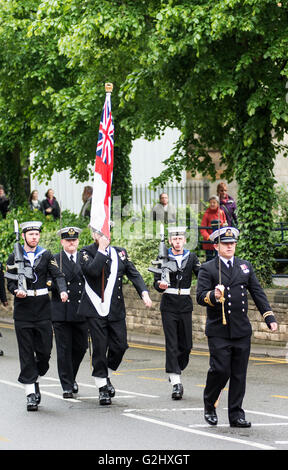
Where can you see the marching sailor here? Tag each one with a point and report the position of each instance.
(32, 310)
(71, 331)
(228, 327)
(102, 303)
(176, 307)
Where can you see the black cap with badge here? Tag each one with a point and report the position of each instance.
(226, 234)
(69, 233)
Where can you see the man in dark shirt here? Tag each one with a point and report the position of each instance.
(71, 332)
(228, 327)
(32, 310)
(176, 308)
(102, 303)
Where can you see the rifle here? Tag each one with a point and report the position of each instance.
(23, 272)
(164, 266)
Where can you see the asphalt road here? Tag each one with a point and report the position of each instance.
(142, 417)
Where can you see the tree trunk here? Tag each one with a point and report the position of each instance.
(12, 177)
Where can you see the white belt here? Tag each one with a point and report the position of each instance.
(32, 293)
(171, 290)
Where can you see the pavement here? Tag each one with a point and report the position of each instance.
(261, 350)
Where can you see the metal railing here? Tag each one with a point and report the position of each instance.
(191, 192)
(283, 227)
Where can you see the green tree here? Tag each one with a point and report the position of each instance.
(216, 70)
(14, 98)
(50, 105)
(223, 66)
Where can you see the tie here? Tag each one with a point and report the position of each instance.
(72, 259)
(230, 267)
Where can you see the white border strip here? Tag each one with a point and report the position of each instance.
(117, 390)
(200, 433)
(49, 394)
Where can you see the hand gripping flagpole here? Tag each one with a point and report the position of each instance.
(60, 223)
(220, 286)
(108, 89)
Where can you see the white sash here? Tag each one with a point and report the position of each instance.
(103, 308)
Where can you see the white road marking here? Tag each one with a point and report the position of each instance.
(228, 425)
(53, 395)
(49, 394)
(130, 414)
(200, 433)
(49, 385)
(50, 378)
(7, 382)
(138, 394)
(117, 390)
(114, 398)
(129, 410)
(262, 413)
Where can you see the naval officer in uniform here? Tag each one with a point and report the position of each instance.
(32, 310)
(71, 331)
(176, 307)
(228, 327)
(102, 303)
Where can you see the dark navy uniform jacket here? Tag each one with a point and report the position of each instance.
(180, 280)
(92, 263)
(36, 308)
(237, 286)
(67, 311)
(3, 296)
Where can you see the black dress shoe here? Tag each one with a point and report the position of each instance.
(177, 392)
(67, 394)
(110, 387)
(104, 397)
(211, 416)
(1, 352)
(32, 402)
(75, 387)
(37, 393)
(240, 423)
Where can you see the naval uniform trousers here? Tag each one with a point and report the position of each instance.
(71, 346)
(178, 340)
(109, 339)
(228, 359)
(34, 345)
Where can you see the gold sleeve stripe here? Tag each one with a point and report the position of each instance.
(267, 314)
(207, 299)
